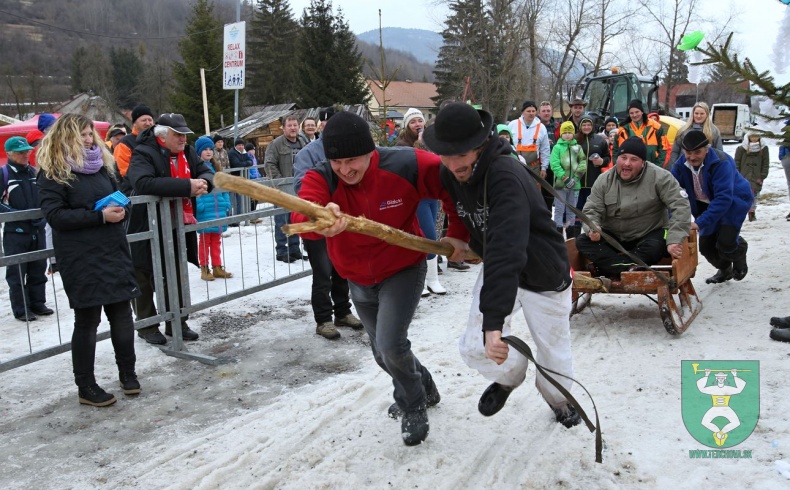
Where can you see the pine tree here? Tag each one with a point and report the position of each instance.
(201, 48)
(459, 50)
(478, 45)
(126, 73)
(90, 72)
(330, 66)
(271, 48)
(680, 70)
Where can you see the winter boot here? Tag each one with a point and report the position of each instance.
(493, 399)
(780, 322)
(221, 273)
(739, 266)
(205, 274)
(567, 416)
(414, 426)
(723, 275)
(752, 216)
(432, 283)
(129, 383)
(95, 396)
(432, 398)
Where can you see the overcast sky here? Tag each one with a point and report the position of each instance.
(756, 26)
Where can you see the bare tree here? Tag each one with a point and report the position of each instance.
(610, 20)
(567, 25)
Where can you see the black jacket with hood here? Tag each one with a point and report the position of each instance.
(511, 229)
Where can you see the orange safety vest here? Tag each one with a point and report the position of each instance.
(649, 140)
(533, 148)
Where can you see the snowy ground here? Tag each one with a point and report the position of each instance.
(292, 410)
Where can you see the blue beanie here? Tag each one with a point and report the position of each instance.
(202, 143)
(45, 120)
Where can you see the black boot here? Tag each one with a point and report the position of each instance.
(95, 396)
(493, 399)
(723, 275)
(780, 322)
(432, 398)
(414, 426)
(780, 334)
(567, 416)
(129, 383)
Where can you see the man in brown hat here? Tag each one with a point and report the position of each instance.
(577, 111)
(720, 198)
(526, 263)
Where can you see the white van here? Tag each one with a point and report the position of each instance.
(732, 120)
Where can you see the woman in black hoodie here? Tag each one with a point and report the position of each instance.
(596, 148)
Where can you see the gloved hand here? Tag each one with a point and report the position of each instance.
(570, 183)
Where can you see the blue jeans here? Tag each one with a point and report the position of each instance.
(286, 245)
(427, 211)
(560, 210)
(386, 309)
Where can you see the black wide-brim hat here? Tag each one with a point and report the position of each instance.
(457, 129)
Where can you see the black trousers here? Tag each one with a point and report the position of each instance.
(83, 340)
(608, 261)
(145, 305)
(724, 247)
(26, 281)
(328, 286)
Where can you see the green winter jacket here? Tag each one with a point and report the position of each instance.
(631, 210)
(567, 158)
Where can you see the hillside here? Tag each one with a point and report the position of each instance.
(423, 45)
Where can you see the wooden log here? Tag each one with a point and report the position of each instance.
(323, 217)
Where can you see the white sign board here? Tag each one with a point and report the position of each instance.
(233, 55)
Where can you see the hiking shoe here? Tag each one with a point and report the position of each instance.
(286, 258)
(567, 416)
(153, 337)
(493, 399)
(129, 383)
(327, 330)
(186, 333)
(432, 398)
(349, 321)
(95, 396)
(459, 266)
(780, 334)
(221, 273)
(414, 426)
(42, 311)
(780, 322)
(723, 275)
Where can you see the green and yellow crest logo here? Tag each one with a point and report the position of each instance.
(720, 400)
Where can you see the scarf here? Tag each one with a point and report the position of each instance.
(92, 161)
(179, 168)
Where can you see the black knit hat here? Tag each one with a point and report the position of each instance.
(634, 146)
(694, 140)
(346, 135)
(238, 141)
(216, 138)
(528, 103)
(636, 104)
(141, 110)
(611, 119)
(457, 129)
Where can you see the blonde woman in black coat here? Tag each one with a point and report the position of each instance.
(91, 249)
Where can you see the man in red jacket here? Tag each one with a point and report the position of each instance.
(384, 185)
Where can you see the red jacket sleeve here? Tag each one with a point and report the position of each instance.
(314, 189)
(429, 185)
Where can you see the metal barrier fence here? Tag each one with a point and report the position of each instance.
(251, 252)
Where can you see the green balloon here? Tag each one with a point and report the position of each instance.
(691, 40)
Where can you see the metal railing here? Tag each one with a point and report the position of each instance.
(252, 254)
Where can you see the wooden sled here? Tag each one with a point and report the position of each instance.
(678, 303)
